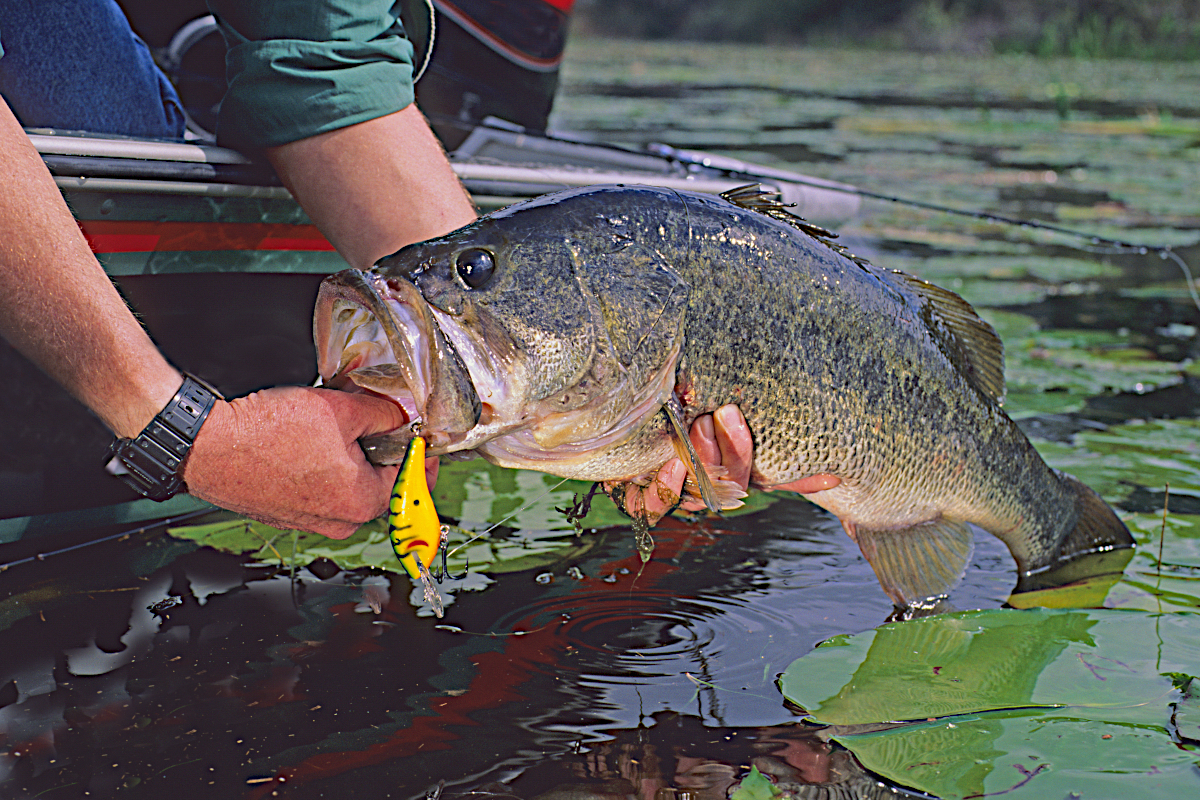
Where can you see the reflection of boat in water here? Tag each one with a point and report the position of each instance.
(223, 265)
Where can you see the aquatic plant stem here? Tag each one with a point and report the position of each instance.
(1166, 253)
(1162, 535)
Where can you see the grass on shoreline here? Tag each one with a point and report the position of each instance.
(1093, 29)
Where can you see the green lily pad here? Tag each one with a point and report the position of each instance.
(508, 520)
(755, 786)
(1151, 454)
(1186, 718)
(1037, 703)
(1013, 266)
(494, 552)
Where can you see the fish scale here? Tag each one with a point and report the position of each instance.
(633, 304)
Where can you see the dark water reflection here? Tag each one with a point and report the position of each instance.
(147, 668)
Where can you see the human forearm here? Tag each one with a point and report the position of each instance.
(375, 186)
(328, 94)
(59, 308)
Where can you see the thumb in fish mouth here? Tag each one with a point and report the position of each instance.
(389, 447)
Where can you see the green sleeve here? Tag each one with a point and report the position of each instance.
(296, 69)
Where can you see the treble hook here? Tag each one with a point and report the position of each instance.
(443, 574)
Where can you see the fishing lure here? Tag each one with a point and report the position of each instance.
(413, 524)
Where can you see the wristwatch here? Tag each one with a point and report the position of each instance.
(150, 463)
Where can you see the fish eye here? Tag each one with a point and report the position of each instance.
(475, 267)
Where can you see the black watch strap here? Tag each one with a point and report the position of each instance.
(150, 463)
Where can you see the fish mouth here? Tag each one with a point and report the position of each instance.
(378, 335)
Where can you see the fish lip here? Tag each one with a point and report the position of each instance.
(418, 348)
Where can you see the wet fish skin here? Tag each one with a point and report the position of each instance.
(840, 367)
(888, 382)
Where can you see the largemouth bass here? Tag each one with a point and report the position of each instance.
(580, 333)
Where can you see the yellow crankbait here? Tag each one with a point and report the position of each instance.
(413, 524)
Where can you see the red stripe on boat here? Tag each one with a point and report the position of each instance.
(137, 236)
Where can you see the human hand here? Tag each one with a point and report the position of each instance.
(721, 440)
(289, 456)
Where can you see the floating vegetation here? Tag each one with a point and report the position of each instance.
(1036, 703)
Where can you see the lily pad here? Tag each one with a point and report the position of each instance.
(507, 521)
(486, 551)
(1008, 267)
(755, 786)
(1151, 454)
(1173, 584)
(1036, 703)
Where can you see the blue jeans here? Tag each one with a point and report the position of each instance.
(77, 65)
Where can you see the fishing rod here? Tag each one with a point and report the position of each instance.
(133, 531)
(735, 168)
(1100, 245)
(1092, 243)
(742, 170)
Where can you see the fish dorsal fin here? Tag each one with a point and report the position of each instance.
(969, 342)
(754, 197)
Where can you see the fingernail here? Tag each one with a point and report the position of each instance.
(672, 474)
(727, 415)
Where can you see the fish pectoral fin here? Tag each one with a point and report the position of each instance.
(687, 454)
(727, 493)
(920, 564)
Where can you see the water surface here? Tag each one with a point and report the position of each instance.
(152, 667)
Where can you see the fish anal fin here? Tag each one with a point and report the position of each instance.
(966, 338)
(920, 564)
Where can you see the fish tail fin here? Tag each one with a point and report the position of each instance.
(1098, 529)
(918, 565)
(1099, 545)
